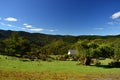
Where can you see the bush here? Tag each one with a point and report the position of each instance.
(95, 61)
(24, 59)
(98, 63)
(101, 58)
(49, 60)
(61, 58)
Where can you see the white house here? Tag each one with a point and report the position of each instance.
(71, 52)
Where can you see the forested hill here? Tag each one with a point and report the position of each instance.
(35, 38)
(43, 39)
(20, 43)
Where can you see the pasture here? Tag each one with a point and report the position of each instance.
(12, 68)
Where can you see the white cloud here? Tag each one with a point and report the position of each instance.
(116, 19)
(30, 27)
(25, 24)
(92, 34)
(98, 28)
(37, 29)
(3, 24)
(53, 30)
(114, 22)
(116, 15)
(0, 18)
(12, 19)
(9, 25)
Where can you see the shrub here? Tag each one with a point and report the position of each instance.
(24, 59)
(61, 58)
(95, 61)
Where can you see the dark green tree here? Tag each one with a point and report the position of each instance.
(106, 51)
(2, 47)
(16, 45)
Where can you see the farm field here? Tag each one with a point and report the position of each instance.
(12, 68)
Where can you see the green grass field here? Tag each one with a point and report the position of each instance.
(55, 70)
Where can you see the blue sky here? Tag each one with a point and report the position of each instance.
(63, 17)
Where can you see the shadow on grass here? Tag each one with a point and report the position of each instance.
(106, 66)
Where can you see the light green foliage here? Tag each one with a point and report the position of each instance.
(81, 48)
(116, 45)
(57, 47)
(92, 49)
(86, 49)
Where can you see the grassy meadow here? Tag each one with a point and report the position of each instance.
(12, 68)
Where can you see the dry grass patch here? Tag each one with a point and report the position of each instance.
(21, 75)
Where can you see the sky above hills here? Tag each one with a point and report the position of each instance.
(63, 17)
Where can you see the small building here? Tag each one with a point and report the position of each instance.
(72, 52)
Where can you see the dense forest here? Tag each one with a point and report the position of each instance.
(36, 45)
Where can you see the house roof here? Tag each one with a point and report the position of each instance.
(71, 51)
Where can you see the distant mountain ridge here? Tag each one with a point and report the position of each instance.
(43, 39)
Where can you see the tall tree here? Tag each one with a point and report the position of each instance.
(89, 49)
(83, 52)
(16, 45)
